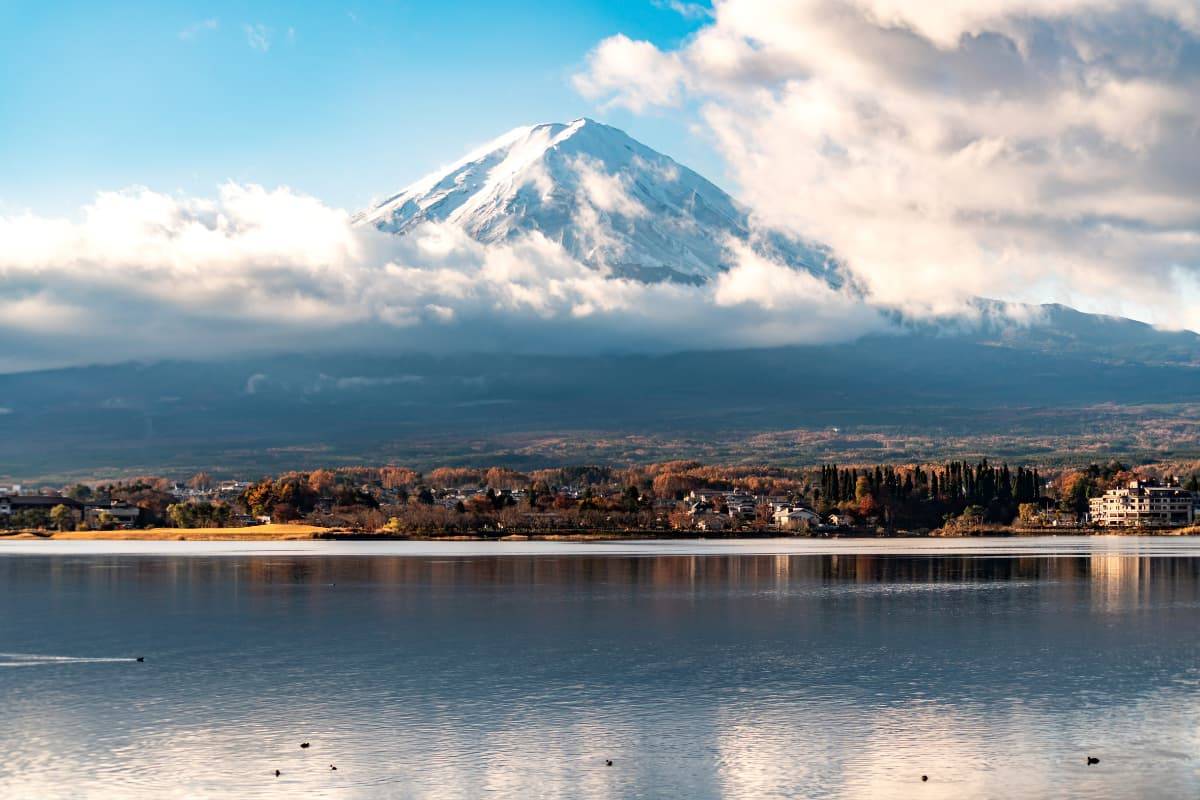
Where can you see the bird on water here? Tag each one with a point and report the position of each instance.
(608, 762)
(277, 773)
(304, 745)
(1092, 760)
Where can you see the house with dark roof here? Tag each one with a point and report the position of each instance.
(15, 504)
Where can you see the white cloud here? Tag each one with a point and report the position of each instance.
(636, 73)
(685, 9)
(356, 382)
(143, 275)
(258, 36)
(1031, 150)
(198, 28)
(604, 191)
(256, 382)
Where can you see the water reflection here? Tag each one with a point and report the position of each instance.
(1117, 574)
(844, 675)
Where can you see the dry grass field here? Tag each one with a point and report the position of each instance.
(254, 533)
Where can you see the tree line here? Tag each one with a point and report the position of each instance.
(925, 496)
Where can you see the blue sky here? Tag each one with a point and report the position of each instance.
(345, 101)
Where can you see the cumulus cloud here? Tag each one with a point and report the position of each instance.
(197, 28)
(258, 36)
(637, 73)
(1031, 150)
(141, 274)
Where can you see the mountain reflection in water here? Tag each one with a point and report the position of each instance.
(699, 676)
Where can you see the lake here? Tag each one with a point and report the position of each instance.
(781, 668)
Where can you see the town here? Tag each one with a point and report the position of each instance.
(668, 499)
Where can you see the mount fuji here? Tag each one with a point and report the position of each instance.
(610, 201)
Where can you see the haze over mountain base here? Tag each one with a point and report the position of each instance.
(564, 294)
(882, 398)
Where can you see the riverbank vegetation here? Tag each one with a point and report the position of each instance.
(669, 498)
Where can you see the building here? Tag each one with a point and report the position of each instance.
(15, 504)
(741, 505)
(712, 524)
(796, 517)
(122, 515)
(1055, 518)
(1144, 504)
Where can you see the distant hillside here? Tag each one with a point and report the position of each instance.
(278, 412)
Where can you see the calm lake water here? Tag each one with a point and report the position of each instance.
(769, 669)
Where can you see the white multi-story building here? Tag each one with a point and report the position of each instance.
(1144, 504)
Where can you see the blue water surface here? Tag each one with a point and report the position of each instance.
(460, 671)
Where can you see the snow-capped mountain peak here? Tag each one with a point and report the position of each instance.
(611, 202)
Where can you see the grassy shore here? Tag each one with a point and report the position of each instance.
(299, 532)
(252, 533)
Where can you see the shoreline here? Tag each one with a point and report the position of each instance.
(290, 532)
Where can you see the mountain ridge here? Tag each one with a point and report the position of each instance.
(609, 200)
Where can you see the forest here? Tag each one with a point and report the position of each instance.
(676, 495)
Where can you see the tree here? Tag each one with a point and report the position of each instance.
(284, 512)
(454, 476)
(322, 481)
(1077, 488)
(631, 499)
(80, 492)
(201, 482)
(198, 515)
(398, 477)
(972, 517)
(180, 515)
(503, 478)
(62, 517)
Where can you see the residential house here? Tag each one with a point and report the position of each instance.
(123, 515)
(741, 505)
(796, 517)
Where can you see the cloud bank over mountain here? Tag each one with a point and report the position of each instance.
(1025, 149)
(890, 156)
(148, 275)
